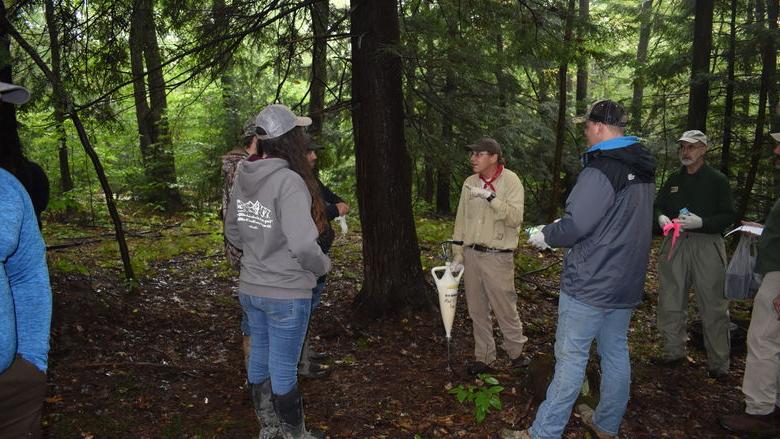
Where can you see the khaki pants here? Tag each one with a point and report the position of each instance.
(698, 260)
(22, 390)
(762, 365)
(489, 281)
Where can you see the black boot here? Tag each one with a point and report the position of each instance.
(264, 410)
(309, 368)
(289, 409)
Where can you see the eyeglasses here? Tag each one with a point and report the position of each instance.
(478, 153)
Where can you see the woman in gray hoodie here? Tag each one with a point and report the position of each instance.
(274, 217)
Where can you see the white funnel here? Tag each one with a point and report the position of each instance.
(447, 286)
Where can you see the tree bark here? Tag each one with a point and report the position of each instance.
(393, 279)
(768, 60)
(7, 29)
(233, 120)
(560, 128)
(319, 76)
(645, 21)
(66, 182)
(155, 139)
(582, 59)
(772, 94)
(698, 97)
(728, 110)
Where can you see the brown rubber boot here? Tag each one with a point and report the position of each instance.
(753, 425)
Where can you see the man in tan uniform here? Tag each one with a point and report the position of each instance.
(490, 213)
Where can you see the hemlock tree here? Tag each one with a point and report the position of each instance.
(393, 278)
(153, 129)
(698, 102)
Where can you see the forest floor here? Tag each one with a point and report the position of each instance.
(166, 361)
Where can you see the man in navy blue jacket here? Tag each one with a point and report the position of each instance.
(607, 226)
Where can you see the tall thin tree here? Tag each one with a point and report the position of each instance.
(645, 22)
(560, 128)
(698, 97)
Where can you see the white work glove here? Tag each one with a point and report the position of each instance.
(455, 267)
(342, 220)
(479, 192)
(663, 220)
(537, 240)
(690, 221)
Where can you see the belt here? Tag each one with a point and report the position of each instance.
(482, 248)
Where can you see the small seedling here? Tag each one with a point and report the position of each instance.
(484, 395)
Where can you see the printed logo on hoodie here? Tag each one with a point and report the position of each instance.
(254, 213)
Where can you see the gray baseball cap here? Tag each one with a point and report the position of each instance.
(776, 136)
(13, 94)
(694, 136)
(276, 120)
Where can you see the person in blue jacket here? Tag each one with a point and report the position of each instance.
(25, 300)
(607, 227)
(25, 312)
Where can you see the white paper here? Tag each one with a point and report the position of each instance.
(749, 229)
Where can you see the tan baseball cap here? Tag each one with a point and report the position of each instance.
(776, 136)
(694, 136)
(13, 94)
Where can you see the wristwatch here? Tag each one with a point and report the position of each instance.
(490, 198)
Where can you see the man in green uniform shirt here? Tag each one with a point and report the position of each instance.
(699, 197)
(762, 365)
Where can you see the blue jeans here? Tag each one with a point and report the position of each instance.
(277, 328)
(578, 325)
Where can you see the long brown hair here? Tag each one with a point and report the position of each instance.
(292, 146)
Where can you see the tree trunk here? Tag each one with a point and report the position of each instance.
(645, 16)
(582, 59)
(728, 110)
(392, 275)
(501, 78)
(319, 63)
(768, 59)
(66, 182)
(56, 81)
(444, 164)
(774, 105)
(698, 97)
(747, 60)
(233, 120)
(155, 139)
(772, 39)
(560, 128)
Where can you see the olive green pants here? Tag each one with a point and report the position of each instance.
(697, 260)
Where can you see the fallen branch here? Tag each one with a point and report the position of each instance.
(556, 262)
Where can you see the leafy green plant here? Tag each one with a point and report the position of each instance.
(484, 395)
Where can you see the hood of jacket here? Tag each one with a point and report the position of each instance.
(625, 149)
(254, 173)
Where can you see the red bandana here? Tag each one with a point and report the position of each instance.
(489, 183)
